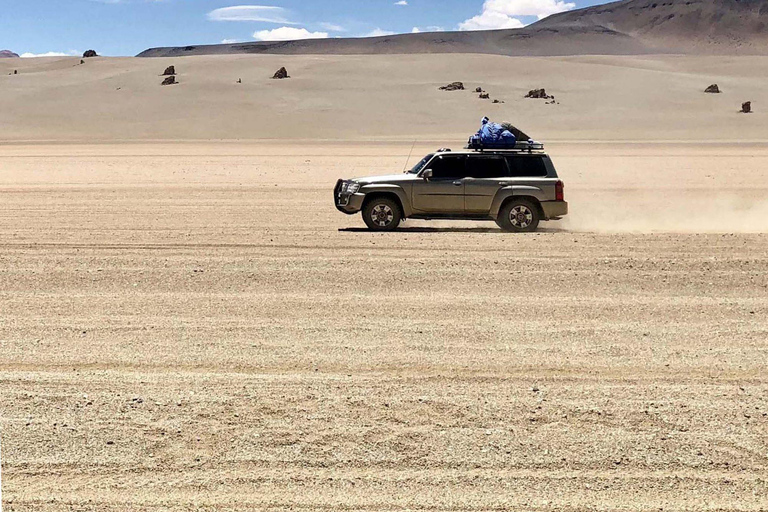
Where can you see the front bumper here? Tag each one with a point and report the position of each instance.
(347, 203)
(554, 209)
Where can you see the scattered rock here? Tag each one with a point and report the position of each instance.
(485, 96)
(169, 71)
(171, 80)
(479, 90)
(498, 101)
(239, 80)
(746, 108)
(455, 86)
(90, 53)
(539, 94)
(82, 61)
(15, 71)
(712, 89)
(281, 74)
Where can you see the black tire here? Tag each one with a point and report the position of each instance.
(519, 216)
(382, 214)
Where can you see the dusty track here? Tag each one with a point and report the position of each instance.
(194, 327)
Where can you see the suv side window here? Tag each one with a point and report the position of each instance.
(527, 166)
(447, 167)
(486, 167)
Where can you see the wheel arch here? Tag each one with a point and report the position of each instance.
(506, 195)
(392, 192)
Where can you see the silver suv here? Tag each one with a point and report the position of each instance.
(515, 188)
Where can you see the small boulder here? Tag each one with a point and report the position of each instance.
(455, 86)
(239, 80)
(746, 108)
(169, 71)
(171, 80)
(498, 101)
(479, 90)
(15, 71)
(90, 53)
(712, 89)
(280, 74)
(82, 61)
(485, 96)
(538, 94)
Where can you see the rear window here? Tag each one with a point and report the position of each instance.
(527, 166)
(486, 167)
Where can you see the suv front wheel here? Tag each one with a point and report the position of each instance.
(519, 216)
(382, 214)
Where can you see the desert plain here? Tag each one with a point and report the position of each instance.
(187, 323)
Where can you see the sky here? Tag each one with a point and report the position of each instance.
(127, 27)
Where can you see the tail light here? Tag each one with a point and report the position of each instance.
(559, 191)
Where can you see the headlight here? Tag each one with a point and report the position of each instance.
(350, 187)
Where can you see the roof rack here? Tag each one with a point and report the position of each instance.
(519, 147)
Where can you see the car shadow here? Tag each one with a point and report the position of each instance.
(448, 230)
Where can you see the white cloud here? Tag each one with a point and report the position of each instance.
(498, 14)
(29, 55)
(288, 34)
(229, 41)
(331, 27)
(265, 13)
(377, 32)
(402, 2)
(431, 28)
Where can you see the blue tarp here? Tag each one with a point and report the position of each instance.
(492, 134)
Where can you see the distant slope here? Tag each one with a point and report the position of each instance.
(528, 41)
(702, 26)
(8, 54)
(619, 28)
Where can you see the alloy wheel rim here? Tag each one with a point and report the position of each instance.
(382, 215)
(521, 216)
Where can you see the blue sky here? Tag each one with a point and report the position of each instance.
(126, 27)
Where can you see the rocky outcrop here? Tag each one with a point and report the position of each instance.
(712, 89)
(171, 80)
(746, 108)
(281, 74)
(539, 94)
(8, 54)
(169, 71)
(455, 86)
(90, 53)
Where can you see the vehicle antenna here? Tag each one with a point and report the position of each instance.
(406, 162)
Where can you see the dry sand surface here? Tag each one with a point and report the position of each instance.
(389, 97)
(193, 326)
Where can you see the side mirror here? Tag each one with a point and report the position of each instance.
(427, 175)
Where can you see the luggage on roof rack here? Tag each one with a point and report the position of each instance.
(478, 145)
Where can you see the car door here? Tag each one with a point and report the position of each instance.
(443, 193)
(484, 176)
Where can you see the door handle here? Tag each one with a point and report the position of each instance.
(458, 183)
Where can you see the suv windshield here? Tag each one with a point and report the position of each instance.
(419, 166)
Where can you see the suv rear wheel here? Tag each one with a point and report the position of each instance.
(519, 216)
(382, 214)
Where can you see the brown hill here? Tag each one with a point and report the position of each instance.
(8, 54)
(699, 26)
(618, 28)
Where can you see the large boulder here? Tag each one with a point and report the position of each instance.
(280, 74)
(538, 94)
(89, 54)
(746, 108)
(712, 89)
(169, 71)
(171, 80)
(8, 54)
(455, 86)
